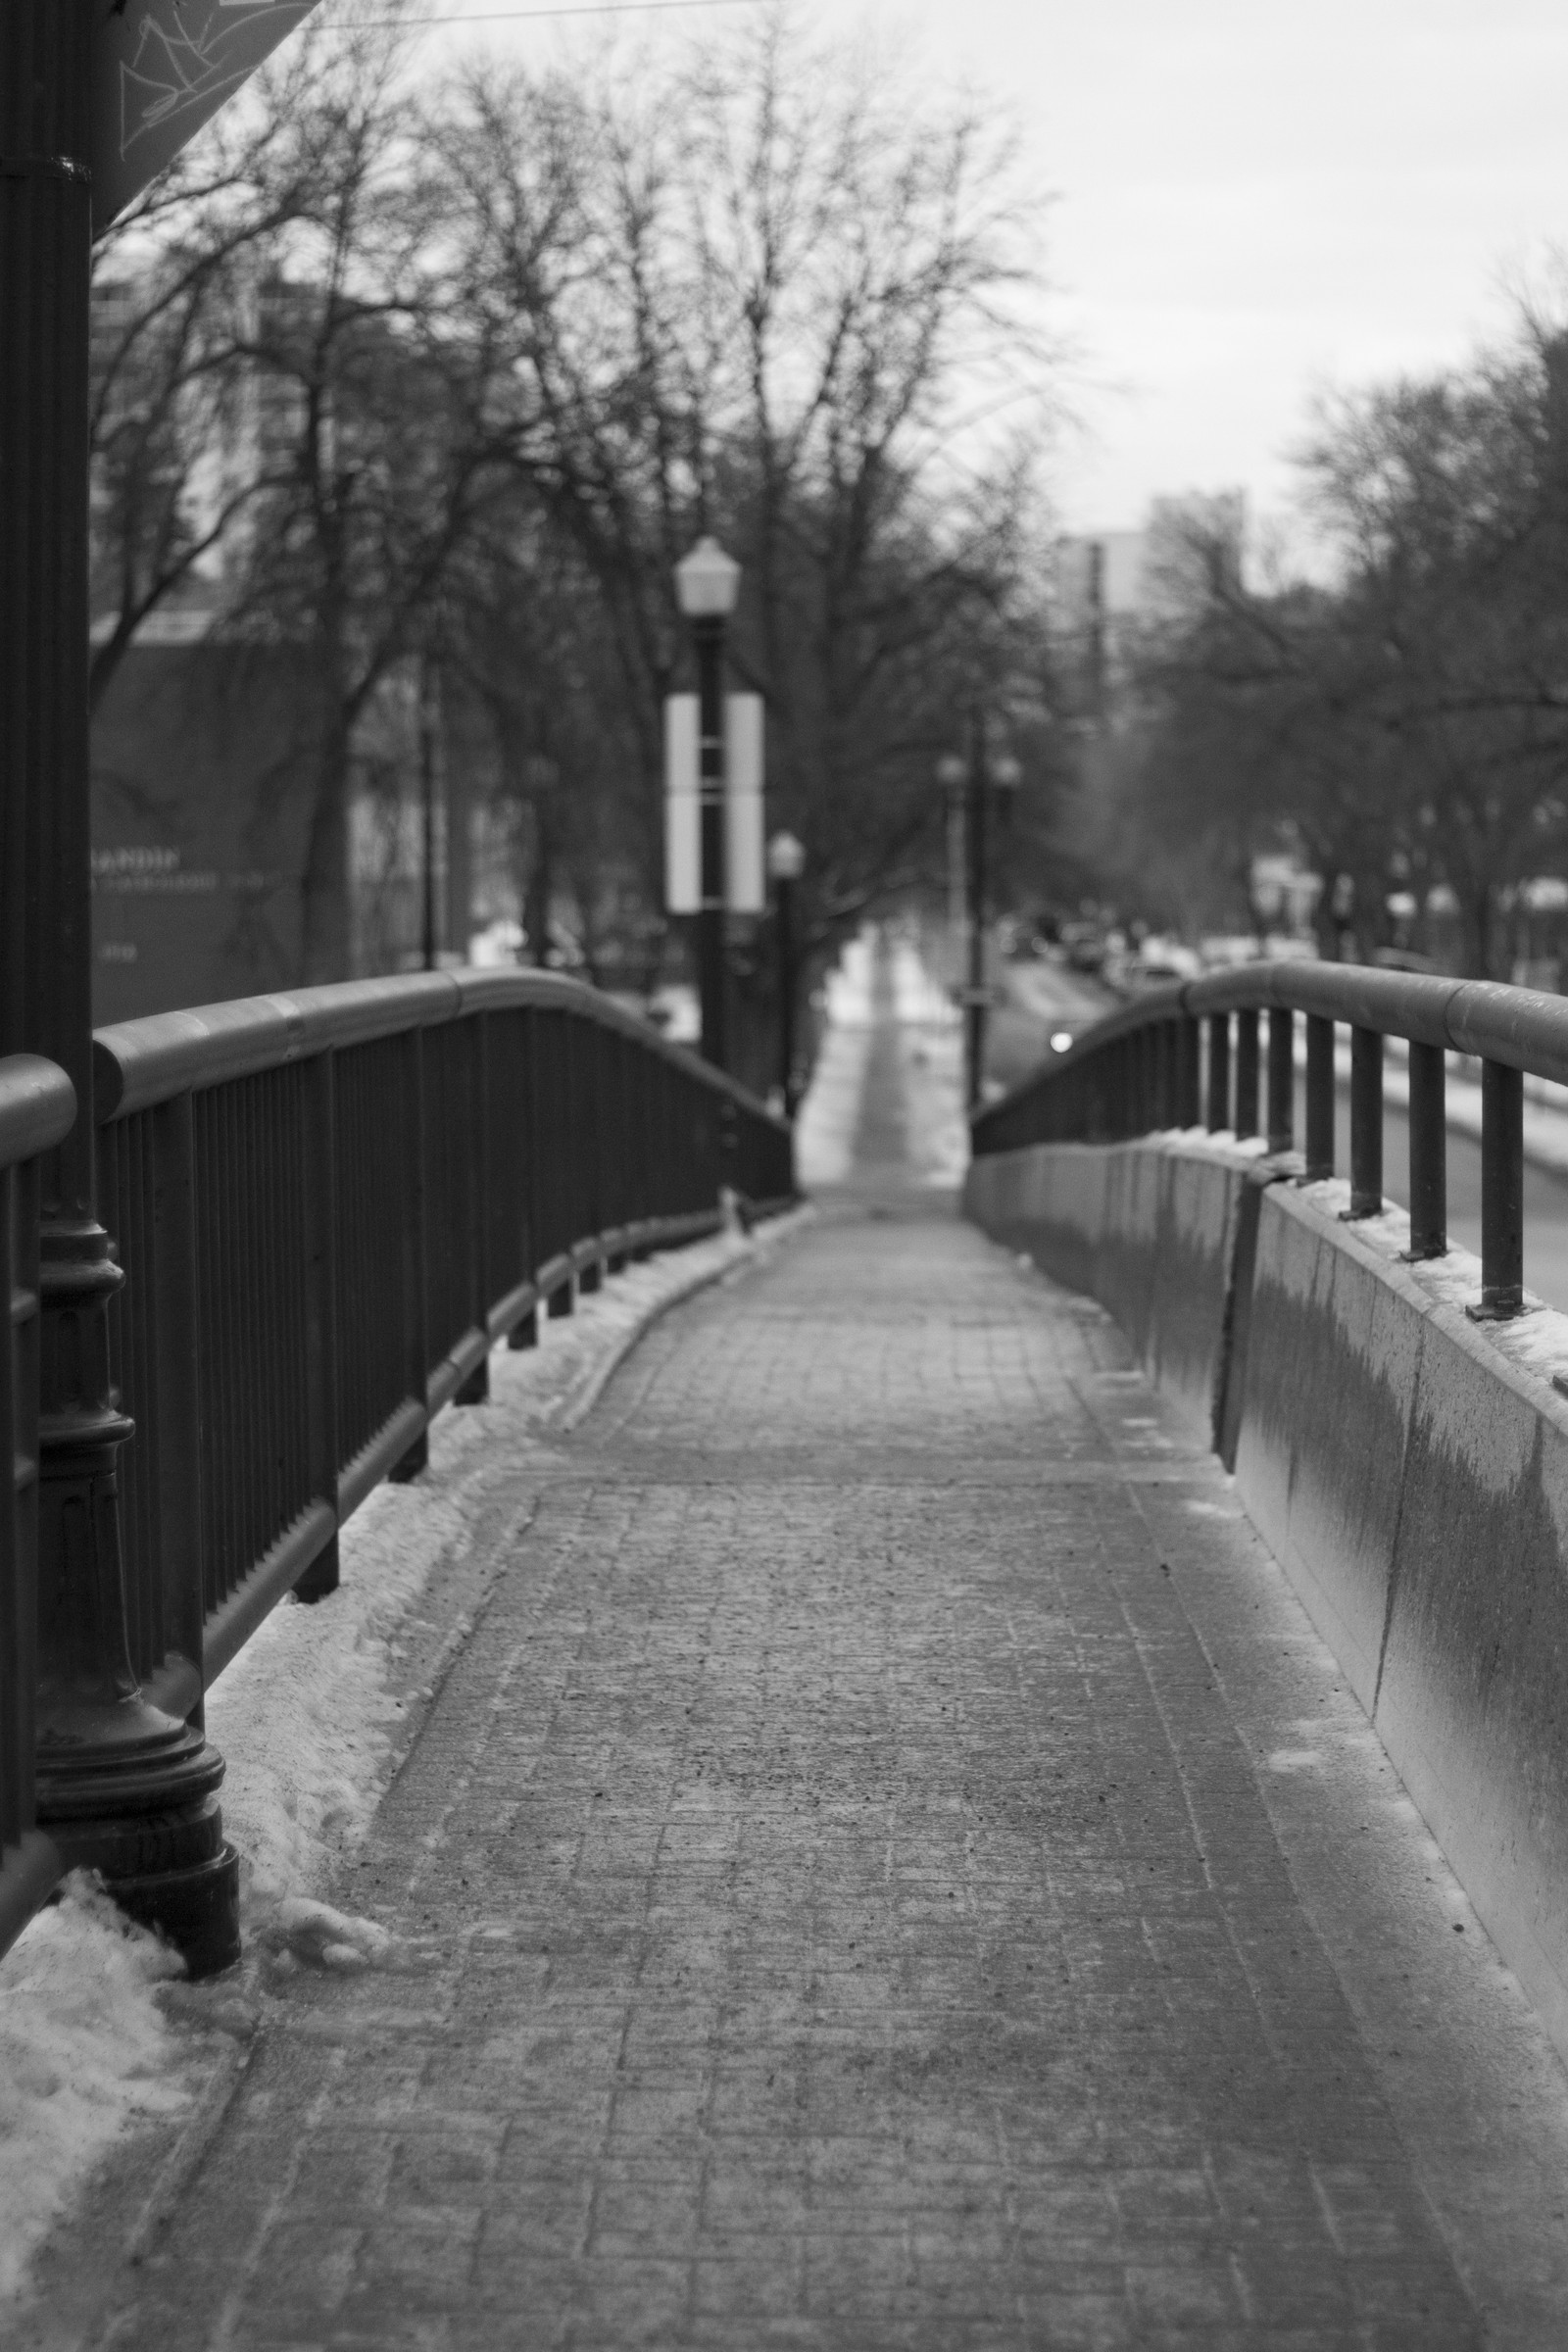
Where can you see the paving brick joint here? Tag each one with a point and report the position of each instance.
(840, 1907)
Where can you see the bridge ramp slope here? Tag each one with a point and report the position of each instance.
(894, 1867)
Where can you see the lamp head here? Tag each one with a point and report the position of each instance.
(706, 582)
(786, 857)
(952, 772)
(1006, 773)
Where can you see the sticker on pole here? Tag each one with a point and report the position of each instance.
(161, 69)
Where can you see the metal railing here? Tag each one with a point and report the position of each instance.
(1197, 1054)
(36, 1107)
(330, 1206)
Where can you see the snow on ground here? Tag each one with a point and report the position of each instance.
(847, 986)
(85, 2051)
(308, 1720)
(825, 1124)
(931, 1062)
(918, 997)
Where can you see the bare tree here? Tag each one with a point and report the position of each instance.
(746, 296)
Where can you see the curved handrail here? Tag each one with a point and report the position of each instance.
(1519, 1027)
(1142, 1069)
(141, 1063)
(37, 1105)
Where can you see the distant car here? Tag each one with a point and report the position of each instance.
(1158, 961)
(1402, 959)
(1085, 946)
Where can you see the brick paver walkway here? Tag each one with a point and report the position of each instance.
(846, 1905)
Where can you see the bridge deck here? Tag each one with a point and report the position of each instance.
(893, 1867)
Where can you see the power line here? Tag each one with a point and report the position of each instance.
(518, 16)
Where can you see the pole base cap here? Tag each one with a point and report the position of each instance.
(197, 1908)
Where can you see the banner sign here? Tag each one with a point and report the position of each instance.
(161, 69)
(746, 888)
(683, 808)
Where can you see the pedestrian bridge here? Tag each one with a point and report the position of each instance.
(902, 1858)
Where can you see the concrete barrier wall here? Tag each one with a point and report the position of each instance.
(1149, 1232)
(1408, 1470)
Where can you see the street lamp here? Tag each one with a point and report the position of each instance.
(123, 1786)
(969, 782)
(707, 584)
(786, 862)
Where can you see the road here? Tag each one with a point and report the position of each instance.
(1044, 996)
(1037, 998)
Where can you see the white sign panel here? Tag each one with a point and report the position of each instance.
(161, 69)
(683, 808)
(746, 888)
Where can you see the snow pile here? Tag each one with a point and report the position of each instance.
(931, 1065)
(305, 1715)
(302, 1928)
(824, 1128)
(930, 1054)
(84, 2052)
(918, 997)
(308, 1722)
(847, 986)
(830, 1114)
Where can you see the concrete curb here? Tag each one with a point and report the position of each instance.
(1408, 1471)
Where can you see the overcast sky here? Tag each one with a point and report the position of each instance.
(1253, 200)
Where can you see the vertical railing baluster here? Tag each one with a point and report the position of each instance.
(1320, 1100)
(16, 1664)
(1502, 1164)
(620, 1210)
(230, 1458)
(1170, 1087)
(320, 1187)
(564, 1146)
(1366, 1122)
(18, 1534)
(524, 1333)
(1190, 1092)
(169, 1445)
(590, 1124)
(1218, 1116)
(1246, 1122)
(412, 1262)
(470, 1036)
(1429, 1154)
(1281, 1078)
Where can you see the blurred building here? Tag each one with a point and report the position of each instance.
(1109, 588)
(206, 742)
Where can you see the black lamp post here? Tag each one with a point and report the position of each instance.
(970, 781)
(786, 862)
(707, 584)
(122, 1786)
(429, 928)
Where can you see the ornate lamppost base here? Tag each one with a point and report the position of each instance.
(160, 1851)
(136, 1801)
(122, 1787)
